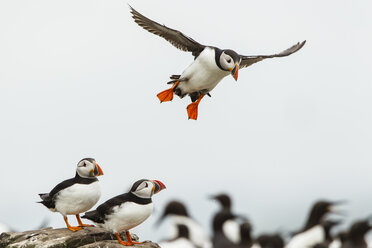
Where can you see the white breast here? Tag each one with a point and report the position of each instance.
(178, 243)
(308, 238)
(78, 198)
(126, 216)
(203, 73)
(197, 234)
(231, 229)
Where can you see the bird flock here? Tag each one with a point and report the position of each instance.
(233, 230)
(211, 64)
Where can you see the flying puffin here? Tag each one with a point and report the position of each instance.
(315, 229)
(125, 211)
(177, 213)
(210, 66)
(75, 195)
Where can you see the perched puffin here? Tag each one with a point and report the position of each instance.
(75, 195)
(314, 231)
(182, 240)
(178, 215)
(355, 237)
(128, 210)
(210, 66)
(231, 227)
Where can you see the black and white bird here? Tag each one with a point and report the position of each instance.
(355, 237)
(182, 240)
(219, 239)
(75, 195)
(314, 231)
(128, 210)
(210, 66)
(178, 215)
(231, 227)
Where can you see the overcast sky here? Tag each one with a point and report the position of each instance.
(78, 78)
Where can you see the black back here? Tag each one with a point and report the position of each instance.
(99, 215)
(48, 199)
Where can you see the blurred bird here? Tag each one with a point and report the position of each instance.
(231, 227)
(125, 211)
(182, 240)
(75, 195)
(355, 237)
(210, 66)
(328, 225)
(219, 239)
(270, 241)
(178, 215)
(314, 231)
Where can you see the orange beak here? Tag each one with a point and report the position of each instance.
(234, 71)
(98, 171)
(159, 186)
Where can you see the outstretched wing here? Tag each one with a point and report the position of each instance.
(175, 37)
(249, 60)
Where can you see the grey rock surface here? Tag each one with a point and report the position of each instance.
(89, 237)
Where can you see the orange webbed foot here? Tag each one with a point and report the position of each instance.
(122, 242)
(167, 95)
(192, 110)
(74, 228)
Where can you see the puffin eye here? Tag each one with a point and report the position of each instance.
(146, 185)
(84, 164)
(228, 60)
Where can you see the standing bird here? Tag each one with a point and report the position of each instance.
(315, 229)
(210, 66)
(231, 227)
(125, 211)
(177, 213)
(355, 237)
(75, 195)
(182, 240)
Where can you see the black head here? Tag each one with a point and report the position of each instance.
(174, 207)
(319, 211)
(228, 60)
(224, 200)
(145, 188)
(359, 229)
(183, 231)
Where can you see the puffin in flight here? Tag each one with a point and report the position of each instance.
(210, 66)
(128, 210)
(75, 195)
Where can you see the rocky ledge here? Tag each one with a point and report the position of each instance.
(89, 237)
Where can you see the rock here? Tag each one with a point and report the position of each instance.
(89, 237)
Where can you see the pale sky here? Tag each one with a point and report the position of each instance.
(78, 78)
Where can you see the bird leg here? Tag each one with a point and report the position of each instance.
(192, 108)
(79, 221)
(71, 228)
(129, 238)
(167, 95)
(121, 241)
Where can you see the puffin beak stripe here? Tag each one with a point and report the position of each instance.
(98, 171)
(158, 186)
(234, 71)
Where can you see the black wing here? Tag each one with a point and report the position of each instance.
(65, 184)
(249, 60)
(175, 37)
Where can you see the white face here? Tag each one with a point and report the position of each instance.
(145, 189)
(85, 168)
(226, 62)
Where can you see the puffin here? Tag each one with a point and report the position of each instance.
(182, 240)
(128, 210)
(211, 64)
(76, 195)
(231, 227)
(315, 229)
(178, 215)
